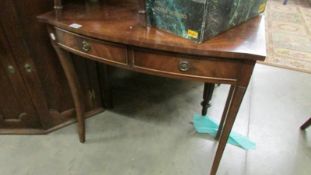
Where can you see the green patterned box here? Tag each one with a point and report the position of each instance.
(199, 20)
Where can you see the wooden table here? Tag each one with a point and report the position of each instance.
(112, 34)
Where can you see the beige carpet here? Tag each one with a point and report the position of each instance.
(289, 34)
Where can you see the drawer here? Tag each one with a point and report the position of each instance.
(99, 50)
(186, 66)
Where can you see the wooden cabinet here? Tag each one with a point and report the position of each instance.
(16, 107)
(34, 95)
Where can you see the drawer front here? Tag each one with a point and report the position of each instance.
(109, 52)
(186, 66)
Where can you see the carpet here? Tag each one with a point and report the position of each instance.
(289, 35)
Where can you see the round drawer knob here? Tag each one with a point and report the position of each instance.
(184, 66)
(86, 46)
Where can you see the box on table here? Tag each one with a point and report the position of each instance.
(199, 20)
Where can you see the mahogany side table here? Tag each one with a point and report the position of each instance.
(111, 34)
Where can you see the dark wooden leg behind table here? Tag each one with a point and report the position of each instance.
(75, 88)
(207, 96)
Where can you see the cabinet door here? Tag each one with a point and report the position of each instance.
(45, 81)
(16, 107)
(18, 50)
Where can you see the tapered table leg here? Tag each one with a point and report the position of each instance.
(207, 96)
(75, 88)
(306, 124)
(235, 101)
(225, 112)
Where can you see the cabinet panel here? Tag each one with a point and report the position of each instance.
(16, 107)
(53, 82)
(38, 66)
(20, 54)
(88, 77)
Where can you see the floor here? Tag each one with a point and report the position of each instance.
(149, 132)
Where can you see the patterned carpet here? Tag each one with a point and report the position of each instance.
(289, 34)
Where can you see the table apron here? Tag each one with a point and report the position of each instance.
(150, 61)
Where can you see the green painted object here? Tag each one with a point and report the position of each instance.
(205, 125)
(199, 20)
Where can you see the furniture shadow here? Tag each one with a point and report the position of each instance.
(147, 97)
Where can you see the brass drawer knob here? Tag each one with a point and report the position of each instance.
(184, 66)
(86, 46)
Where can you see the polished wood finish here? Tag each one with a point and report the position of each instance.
(223, 117)
(235, 102)
(110, 52)
(228, 58)
(306, 124)
(35, 98)
(23, 64)
(15, 112)
(75, 88)
(197, 66)
(116, 22)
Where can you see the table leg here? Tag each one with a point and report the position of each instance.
(75, 88)
(225, 112)
(235, 101)
(306, 124)
(207, 96)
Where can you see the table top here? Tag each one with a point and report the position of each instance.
(121, 23)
